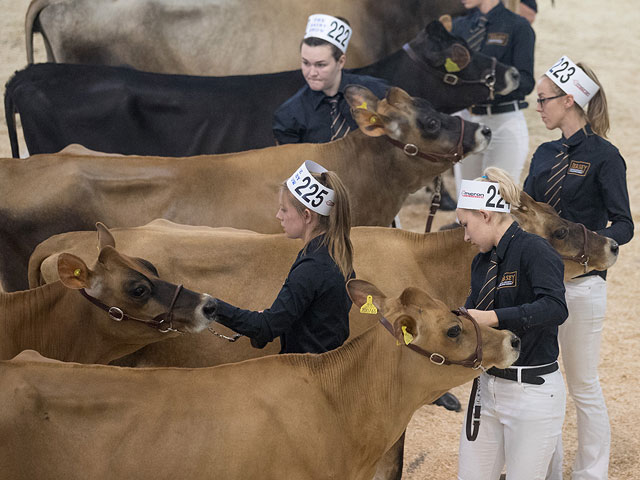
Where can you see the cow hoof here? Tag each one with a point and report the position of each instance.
(449, 401)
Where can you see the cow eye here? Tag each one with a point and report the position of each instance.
(432, 124)
(139, 291)
(561, 233)
(454, 331)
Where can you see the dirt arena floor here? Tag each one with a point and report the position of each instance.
(600, 33)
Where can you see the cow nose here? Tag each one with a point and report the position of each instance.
(614, 247)
(209, 308)
(515, 342)
(486, 132)
(514, 74)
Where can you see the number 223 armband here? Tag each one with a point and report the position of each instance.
(311, 193)
(572, 80)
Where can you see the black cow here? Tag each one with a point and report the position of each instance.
(121, 110)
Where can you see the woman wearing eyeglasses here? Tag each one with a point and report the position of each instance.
(582, 176)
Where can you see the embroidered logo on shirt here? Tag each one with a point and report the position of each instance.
(500, 39)
(509, 279)
(578, 168)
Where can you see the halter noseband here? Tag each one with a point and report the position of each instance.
(488, 81)
(157, 322)
(472, 361)
(582, 258)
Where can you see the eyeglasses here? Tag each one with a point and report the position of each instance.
(541, 101)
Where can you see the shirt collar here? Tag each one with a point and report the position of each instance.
(504, 242)
(317, 97)
(491, 14)
(578, 137)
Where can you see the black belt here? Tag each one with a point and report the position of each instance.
(500, 108)
(527, 375)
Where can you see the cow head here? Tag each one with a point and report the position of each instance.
(465, 77)
(133, 287)
(572, 241)
(423, 321)
(415, 124)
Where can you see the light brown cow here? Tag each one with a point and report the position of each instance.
(247, 269)
(295, 416)
(236, 190)
(61, 322)
(217, 37)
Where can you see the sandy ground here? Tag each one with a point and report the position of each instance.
(586, 31)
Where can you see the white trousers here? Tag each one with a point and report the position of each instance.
(580, 338)
(520, 425)
(507, 149)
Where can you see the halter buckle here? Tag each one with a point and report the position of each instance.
(116, 314)
(451, 79)
(437, 359)
(410, 149)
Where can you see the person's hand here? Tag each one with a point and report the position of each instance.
(484, 317)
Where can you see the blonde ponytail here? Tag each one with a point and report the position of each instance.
(508, 188)
(597, 110)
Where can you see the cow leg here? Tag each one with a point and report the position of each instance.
(390, 465)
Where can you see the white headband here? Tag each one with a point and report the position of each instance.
(329, 28)
(572, 79)
(311, 193)
(477, 195)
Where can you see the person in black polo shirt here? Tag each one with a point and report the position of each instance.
(583, 177)
(318, 112)
(517, 285)
(311, 312)
(492, 29)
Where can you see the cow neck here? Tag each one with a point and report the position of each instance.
(398, 174)
(55, 321)
(379, 375)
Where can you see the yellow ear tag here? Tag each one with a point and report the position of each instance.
(362, 105)
(408, 338)
(451, 66)
(77, 272)
(369, 307)
(373, 119)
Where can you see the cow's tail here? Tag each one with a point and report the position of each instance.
(10, 118)
(35, 7)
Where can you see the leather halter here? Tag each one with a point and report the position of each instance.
(582, 258)
(472, 361)
(156, 322)
(488, 81)
(413, 151)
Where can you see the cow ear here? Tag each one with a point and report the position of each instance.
(361, 98)
(446, 22)
(418, 298)
(526, 202)
(73, 272)
(360, 290)
(406, 329)
(399, 98)
(104, 236)
(370, 123)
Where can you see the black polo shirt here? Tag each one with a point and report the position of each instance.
(594, 191)
(529, 297)
(311, 312)
(509, 38)
(306, 117)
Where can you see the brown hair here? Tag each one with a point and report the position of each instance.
(316, 42)
(597, 114)
(337, 225)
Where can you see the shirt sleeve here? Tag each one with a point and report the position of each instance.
(294, 298)
(523, 47)
(286, 128)
(613, 185)
(545, 271)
